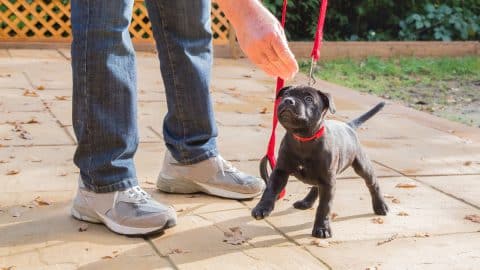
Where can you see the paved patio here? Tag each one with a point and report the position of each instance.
(426, 228)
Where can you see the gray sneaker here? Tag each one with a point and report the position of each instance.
(129, 212)
(213, 176)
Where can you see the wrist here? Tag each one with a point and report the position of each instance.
(236, 13)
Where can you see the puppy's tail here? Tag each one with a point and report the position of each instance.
(355, 123)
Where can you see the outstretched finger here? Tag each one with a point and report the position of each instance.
(284, 54)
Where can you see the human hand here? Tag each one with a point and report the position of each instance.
(261, 37)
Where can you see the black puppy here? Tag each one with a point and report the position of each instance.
(315, 150)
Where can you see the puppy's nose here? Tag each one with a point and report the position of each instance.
(289, 101)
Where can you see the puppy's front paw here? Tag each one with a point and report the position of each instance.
(322, 231)
(380, 207)
(303, 204)
(261, 211)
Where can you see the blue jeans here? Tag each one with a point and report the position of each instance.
(104, 86)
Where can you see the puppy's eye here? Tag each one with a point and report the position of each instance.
(309, 99)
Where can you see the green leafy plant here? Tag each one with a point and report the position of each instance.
(362, 19)
(440, 23)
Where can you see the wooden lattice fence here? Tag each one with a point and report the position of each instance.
(49, 21)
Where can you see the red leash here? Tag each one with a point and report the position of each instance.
(270, 156)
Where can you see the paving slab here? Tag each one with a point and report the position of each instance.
(4, 53)
(426, 151)
(46, 237)
(404, 144)
(454, 251)
(428, 212)
(39, 168)
(38, 128)
(256, 258)
(12, 76)
(53, 74)
(35, 54)
(13, 100)
(464, 187)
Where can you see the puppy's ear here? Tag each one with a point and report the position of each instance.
(328, 100)
(283, 90)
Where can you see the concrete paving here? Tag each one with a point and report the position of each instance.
(426, 228)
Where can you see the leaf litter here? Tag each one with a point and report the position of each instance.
(30, 93)
(83, 227)
(388, 240)
(235, 236)
(473, 218)
(378, 220)
(406, 185)
(40, 202)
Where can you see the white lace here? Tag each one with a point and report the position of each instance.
(225, 166)
(137, 193)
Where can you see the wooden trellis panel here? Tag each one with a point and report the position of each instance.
(49, 21)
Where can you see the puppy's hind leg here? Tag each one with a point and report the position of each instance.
(308, 201)
(363, 167)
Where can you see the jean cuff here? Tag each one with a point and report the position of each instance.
(118, 186)
(204, 156)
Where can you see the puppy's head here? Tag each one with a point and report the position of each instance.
(303, 108)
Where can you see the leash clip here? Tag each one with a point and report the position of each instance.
(311, 77)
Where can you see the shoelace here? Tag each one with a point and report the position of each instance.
(225, 166)
(137, 193)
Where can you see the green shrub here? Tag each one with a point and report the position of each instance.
(358, 20)
(440, 23)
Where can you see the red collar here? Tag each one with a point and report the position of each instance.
(317, 135)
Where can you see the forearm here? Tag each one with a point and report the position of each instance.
(260, 36)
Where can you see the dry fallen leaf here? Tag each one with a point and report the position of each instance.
(40, 87)
(422, 235)
(467, 163)
(30, 93)
(395, 200)
(320, 243)
(2, 161)
(235, 236)
(388, 196)
(83, 227)
(25, 135)
(377, 220)
(61, 97)
(263, 110)
(107, 257)
(390, 239)
(149, 182)
(8, 267)
(333, 216)
(33, 120)
(177, 251)
(403, 214)
(406, 185)
(247, 76)
(63, 174)
(34, 159)
(40, 202)
(473, 218)
(181, 210)
(13, 172)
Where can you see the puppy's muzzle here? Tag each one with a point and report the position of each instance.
(287, 107)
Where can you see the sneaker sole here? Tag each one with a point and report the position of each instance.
(121, 229)
(184, 186)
